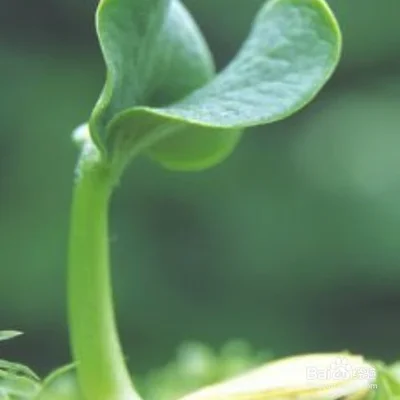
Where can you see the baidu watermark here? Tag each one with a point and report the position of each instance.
(341, 370)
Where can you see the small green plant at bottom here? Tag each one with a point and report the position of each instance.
(163, 99)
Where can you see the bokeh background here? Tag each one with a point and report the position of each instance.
(292, 244)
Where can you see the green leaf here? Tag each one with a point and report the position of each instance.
(20, 386)
(17, 382)
(18, 369)
(154, 54)
(159, 96)
(6, 335)
(291, 52)
(62, 384)
(387, 383)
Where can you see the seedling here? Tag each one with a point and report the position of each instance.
(163, 99)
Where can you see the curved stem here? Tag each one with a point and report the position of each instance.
(102, 372)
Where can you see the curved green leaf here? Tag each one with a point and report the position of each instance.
(6, 335)
(386, 385)
(194, 148)
(154, 55)
(129, 35)
(17, 381)
(159, 95)
(18, 369)
(61, 384)
(291, 52)
(21, 387)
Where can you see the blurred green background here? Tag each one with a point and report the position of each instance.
(292, 244)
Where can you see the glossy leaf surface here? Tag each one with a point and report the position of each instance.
(162, 95)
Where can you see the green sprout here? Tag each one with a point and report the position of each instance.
(163, 99)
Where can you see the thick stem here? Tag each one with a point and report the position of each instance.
(102, 372)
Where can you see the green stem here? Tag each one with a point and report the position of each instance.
(102, 372)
